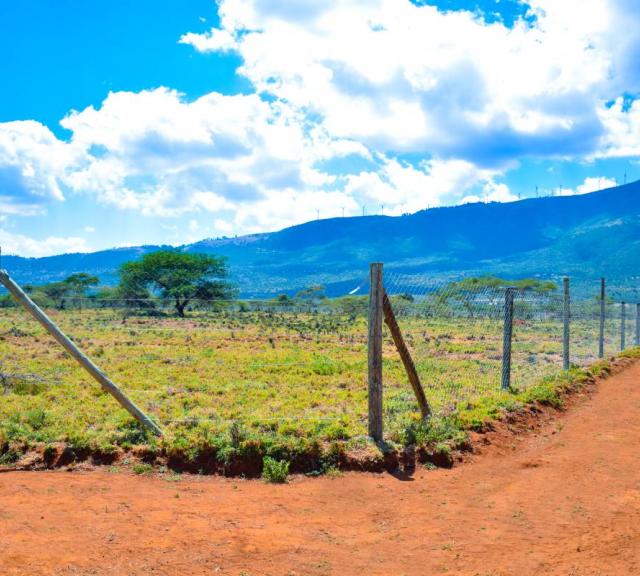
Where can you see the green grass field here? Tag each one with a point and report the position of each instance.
(272, 383)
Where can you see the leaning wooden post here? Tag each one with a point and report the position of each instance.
(507, 338)
(602, 315)
(566, 340)
(637, 324)
(376, 292)
(623, 326)
(72, 349)
(409, 366)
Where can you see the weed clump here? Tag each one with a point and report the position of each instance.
(274, 471)
(142, 468)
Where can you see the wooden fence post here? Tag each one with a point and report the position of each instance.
(507, 338)
(376, 292)
(603, 294)
(566, 352)
(405, 356)
(637, 324)
(107, 385)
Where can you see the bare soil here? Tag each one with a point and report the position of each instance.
(564, 500)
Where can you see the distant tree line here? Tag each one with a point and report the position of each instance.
(168, 275)
(183, 280)
(58, 294)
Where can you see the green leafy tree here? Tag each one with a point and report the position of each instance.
(80, 283)
(57, 292)
(406, 297)
(75, 286)
(283, 301)
(179, 276)
(108, 297)
(534, 285)
(6, 301)
(312, 293)
(351, 306)
(470, 293)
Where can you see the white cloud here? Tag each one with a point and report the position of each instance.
(213, 41)
(492, 192)
(345, 93)
(254, 161)
(157, 153)
(405, 188)
(595, 184)
(397, 76)
(590, 184)
(622, 136)
(32, 164)
(25, 246)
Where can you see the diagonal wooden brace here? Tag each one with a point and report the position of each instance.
(409, 366)
(107, 385)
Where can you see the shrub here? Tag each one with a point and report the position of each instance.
(49, 453)
(11, 456)
(275, 471)
(36, 418)
(140, 468)
(325, 366)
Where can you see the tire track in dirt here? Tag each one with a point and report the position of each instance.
(564, 501)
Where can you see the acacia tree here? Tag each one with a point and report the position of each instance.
(81, 282)
(472, 293)
(75, 286)
(179, 276)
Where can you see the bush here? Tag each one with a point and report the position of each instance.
(141, 468)
(36, 418)
(274, 471)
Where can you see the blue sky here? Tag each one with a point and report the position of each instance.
(167, 122)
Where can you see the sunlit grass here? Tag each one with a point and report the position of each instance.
(286, 383)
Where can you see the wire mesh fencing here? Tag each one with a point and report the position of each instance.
(454, 333)
(293, 366)
(297, 367)
(461, 332)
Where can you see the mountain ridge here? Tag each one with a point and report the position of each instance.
(587, 235)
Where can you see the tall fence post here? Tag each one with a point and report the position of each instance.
(637, 324)
(602, 313)
(623, 326)
(507, 338)
(566, 339)
(376, 294)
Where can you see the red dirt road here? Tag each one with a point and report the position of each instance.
(565, 501)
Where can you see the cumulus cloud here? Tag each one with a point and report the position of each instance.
(256, 164)
(622, 121)
(158, 153)
(492, 192)
(403, 187)
(356, 104)
(25, 246)
(398, 76)
(213, 41)
(33, 162)
(590, 184)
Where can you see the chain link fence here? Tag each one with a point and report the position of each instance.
(457, 331)
(298, 366)
(289, 366)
